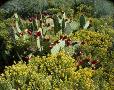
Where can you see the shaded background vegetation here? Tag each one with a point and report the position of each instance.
(28, 7)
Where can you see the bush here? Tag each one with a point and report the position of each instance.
(52, 72)
(102, 24)
(10, 49)
(94, 41)
(5, 44)
(94, 47)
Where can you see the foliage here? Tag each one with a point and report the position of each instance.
(89, 7)
(55, 53)
(53, 10)
(52, 72)
(103, 8)
(102, 24)
(5, 44)
(94, 44)
(26, 7)
(85, 9)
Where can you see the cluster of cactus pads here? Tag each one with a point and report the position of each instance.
(32, 31)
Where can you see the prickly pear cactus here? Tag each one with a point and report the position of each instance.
(58, 47)
(57, 26)
(35, 24)
(68, 28)
(55, 49)
(74, 25)
(63, 25)
(82, 21)
(39, 38)
(17, 24)
(38, 43)
(64, 16)
(86, 25)
(15, 33)
(61, 44)
(45, 30)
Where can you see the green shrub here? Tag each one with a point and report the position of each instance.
(52, 72)
(102, 24)
(5, 44)
(94, 44)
